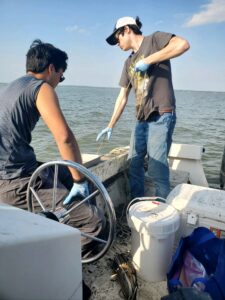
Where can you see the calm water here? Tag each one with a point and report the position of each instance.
(200, 121)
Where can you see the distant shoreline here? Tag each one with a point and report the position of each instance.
(116, 88)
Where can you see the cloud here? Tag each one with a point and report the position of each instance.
(96, 26)
(159, 22)
(76, 28)
(213, 12)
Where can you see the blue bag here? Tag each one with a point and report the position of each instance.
(208, 258)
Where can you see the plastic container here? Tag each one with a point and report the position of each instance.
(39, 258)
(198, 206)
(153, 225)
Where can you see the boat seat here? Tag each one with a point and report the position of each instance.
(187, 158)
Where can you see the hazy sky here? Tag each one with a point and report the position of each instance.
(80, 27)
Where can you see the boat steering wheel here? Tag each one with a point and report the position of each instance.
(62, 213)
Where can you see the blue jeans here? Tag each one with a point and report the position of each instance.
(154, 138)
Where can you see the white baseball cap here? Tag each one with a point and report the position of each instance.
(111, 40)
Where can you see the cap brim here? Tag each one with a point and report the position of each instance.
(111, 40)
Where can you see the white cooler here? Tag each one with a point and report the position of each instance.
(153, 225)
(40, 259)
(198, 206)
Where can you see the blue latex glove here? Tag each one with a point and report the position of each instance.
(78, 190)
(107, 132)
(140, 66)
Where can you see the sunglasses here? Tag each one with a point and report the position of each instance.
(62, 78)
(120, 31)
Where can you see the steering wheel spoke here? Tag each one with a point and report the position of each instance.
(76, 205)
(93, 238)
(38, 199)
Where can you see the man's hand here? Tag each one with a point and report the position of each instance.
(78, 190)
(140, 66)
(105, 133)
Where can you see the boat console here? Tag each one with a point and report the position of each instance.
(39, 258)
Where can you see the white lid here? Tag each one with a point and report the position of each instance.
(157, 218)
(206, 202)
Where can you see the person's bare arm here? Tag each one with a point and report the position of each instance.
(48, 105)
(119, 106)
(174, 48)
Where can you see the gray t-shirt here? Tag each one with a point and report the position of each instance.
(154, 88)
(18, 117)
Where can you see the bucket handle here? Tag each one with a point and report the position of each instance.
(143, 199)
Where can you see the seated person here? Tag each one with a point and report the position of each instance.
(22, 103)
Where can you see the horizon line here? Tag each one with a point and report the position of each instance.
(113, 87)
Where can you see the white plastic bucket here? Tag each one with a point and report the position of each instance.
(153, 225)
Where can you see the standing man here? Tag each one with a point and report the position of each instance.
(148, 71)
(22, 103)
